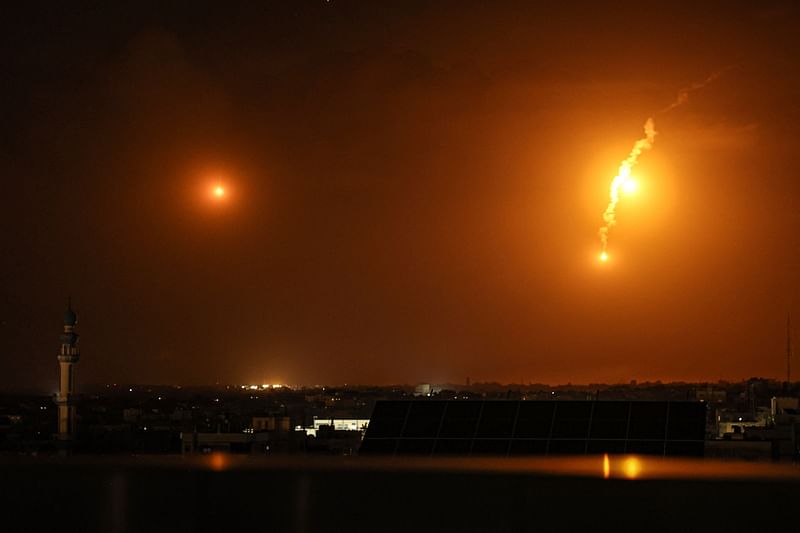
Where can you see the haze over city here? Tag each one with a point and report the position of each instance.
(338, 192)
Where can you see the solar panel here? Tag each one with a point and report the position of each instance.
(460, 419)
(497, 420)
(534, 420)
(610, 420)
(446, 447)
(423, 420)
(519, 428)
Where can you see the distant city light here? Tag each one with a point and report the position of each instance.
(265, 386)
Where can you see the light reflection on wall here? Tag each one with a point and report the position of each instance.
(218, 461)
(631, 467)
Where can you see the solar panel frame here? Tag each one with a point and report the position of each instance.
(551, 427)
(460, 419)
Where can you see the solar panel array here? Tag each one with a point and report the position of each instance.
(518, 428)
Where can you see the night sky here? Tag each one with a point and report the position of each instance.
(413, 191)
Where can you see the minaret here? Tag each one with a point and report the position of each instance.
(67, 357)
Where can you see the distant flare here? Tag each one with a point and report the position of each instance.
(219, 191)
(623, 180)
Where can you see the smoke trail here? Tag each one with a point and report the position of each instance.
(683, 94)
(623, 175)
(643, 144)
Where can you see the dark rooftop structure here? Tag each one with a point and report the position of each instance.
(519, 428)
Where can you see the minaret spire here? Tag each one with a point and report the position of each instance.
(68, 355)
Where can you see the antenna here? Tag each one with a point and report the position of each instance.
(788, 348)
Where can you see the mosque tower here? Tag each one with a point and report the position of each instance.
(67, 357)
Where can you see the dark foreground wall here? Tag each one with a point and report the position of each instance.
(234, 494)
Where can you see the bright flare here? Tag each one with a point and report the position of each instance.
(629, 186)
(623, 180)
(219, 191)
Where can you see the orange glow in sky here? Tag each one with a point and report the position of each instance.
(219, 191)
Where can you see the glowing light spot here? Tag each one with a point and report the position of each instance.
(632, 467)
(604, 257)
(606, 466)
(219, 191)
(629, 186)
(218, 461)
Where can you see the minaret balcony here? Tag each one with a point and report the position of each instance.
(63, 399)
